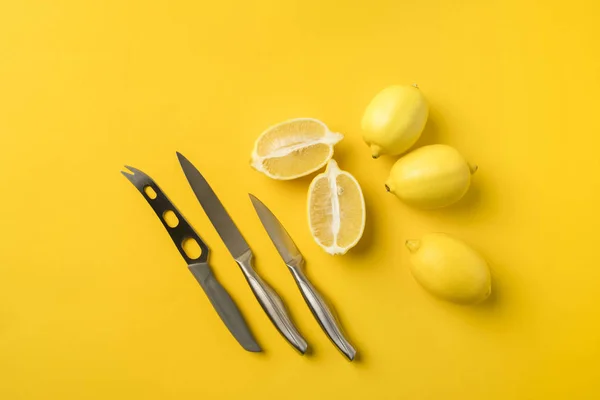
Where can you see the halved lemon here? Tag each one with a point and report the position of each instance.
(294, 148)
(336, 210)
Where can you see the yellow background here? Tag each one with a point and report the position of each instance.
(95, 301)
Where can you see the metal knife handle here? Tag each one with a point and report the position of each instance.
(225, 306)
(271, 304)
(218, 296)
(322, 313)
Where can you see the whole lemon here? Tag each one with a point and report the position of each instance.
(394, 120)
(430, 177)
(449, 269)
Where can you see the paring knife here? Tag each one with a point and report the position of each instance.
(239, 249)
(295, 262)
(180, 231)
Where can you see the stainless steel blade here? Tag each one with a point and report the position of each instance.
(230, 234)
(216, 293)
(239, 249)
(279, 236)
(293, 259)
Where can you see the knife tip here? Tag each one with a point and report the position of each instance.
(254, 199)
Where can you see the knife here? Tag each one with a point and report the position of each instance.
(180, 230)
(295, 262)
(242, 254)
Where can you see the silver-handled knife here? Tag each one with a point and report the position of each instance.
(239, 249)
(295, 262)
(180, 230)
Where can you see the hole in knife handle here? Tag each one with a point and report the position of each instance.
(170, 219)
(191, 248)
(150, 192)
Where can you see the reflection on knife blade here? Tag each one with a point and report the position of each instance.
(180, 231)
(239, 249)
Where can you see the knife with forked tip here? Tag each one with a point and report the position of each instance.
(295, 262)
(242, 254)
(180, 230)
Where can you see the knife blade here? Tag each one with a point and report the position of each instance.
(295, 262)
(199, 267)
(242, 254)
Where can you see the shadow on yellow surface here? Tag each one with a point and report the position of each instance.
(96, 303)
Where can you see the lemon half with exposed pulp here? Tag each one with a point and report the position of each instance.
(294, 148)
(336, 210)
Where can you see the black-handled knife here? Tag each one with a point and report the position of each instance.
(180, 230)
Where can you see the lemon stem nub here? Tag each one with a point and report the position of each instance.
(473, 168)
(413, 245)
(375, 151)
(387, 188)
